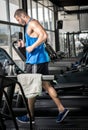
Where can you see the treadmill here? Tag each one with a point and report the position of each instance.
(73, 94)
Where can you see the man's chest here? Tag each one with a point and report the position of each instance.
(31, 32)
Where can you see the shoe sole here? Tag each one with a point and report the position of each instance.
(33, 122)
(63, 117)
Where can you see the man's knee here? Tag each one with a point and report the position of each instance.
(48, 87)
(46, 84)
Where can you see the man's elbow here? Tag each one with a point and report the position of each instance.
(45, 36)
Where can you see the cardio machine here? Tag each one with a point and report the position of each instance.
(69, 80)
(69, 92)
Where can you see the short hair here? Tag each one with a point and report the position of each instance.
(18, 12)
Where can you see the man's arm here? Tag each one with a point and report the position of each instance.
(41, 34)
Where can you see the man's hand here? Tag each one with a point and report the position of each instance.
(29, 49)
(21, 43)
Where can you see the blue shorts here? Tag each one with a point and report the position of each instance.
(41, 68)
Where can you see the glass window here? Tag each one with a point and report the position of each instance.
(46, 16)
(34, 10)
(40, 1)
(46, 2)
(15, 33)
(14, 37)
(50, 5)
(80, 40)
(14, 5)
(3, 9)
(40, 14)
(51, 39)
(29, 7)
(71, 41)
(63, 43)
(51, 14)
(4, 36)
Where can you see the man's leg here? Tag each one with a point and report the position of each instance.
(26, 118)
(62, 111)
(31, 104)
(51, 91)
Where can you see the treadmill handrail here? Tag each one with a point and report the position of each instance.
(18, 51)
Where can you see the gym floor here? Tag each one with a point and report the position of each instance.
(48, 123)
(45, 117)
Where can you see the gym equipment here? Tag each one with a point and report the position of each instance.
(67, 82)
(7, 61)
(4, 55)
(83, 56)
(10, 90)
(7, 82)
(55, 57)
(77, 73)
(67, 78)
(20, 51)
(70, 96)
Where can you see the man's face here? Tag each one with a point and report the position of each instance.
(20, 20)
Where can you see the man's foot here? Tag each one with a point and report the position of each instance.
(24, 119)
(62, 115)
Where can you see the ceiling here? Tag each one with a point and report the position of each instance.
(62, 3)
(72, 6)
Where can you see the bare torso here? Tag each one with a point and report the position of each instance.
(30, 30)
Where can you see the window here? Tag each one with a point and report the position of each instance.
(51, 14)
(4, 36)
(34, 10)
(14, 37)
(50, 5)
(46, 16)
(40, 14)
(3, 9)
(8, 8)
(14, 5)
(29, 7)
(51, 39)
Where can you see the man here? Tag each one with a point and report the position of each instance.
(36, 55)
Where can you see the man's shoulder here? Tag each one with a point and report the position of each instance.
(34, 22)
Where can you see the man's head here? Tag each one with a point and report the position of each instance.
(21, 16)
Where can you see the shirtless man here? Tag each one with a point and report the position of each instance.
(36, 55)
